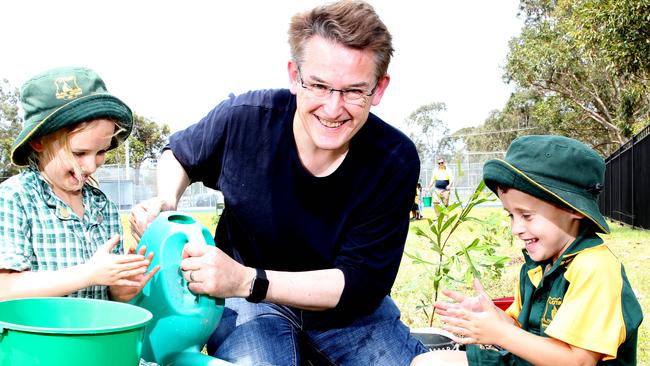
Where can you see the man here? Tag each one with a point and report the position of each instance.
(442, 180)
(317, 193)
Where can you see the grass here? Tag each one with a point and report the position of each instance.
(631, 247)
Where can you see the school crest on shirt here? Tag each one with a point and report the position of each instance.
(552, 304)
(67, 88)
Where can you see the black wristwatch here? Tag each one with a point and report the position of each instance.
(259, 286)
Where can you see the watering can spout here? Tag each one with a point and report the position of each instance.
(182, 321)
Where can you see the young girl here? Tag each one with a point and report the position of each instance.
(59, 234)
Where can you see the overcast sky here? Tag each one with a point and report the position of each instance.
(173, 61)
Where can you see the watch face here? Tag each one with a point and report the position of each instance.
(259, 287)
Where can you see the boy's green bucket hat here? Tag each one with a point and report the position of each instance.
(555, 169)
(64, 97)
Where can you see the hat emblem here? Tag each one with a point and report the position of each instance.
(67, 88)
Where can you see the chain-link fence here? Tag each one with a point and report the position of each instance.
(128, 186)
(466, 169)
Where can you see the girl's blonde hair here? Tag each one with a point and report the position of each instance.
(59, 141)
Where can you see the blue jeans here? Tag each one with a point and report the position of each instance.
(270, 334)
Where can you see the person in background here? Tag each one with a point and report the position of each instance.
(59, 234)
(420, 201)
(415, 210)
(573, 304)
(317, 194)
(442, 180)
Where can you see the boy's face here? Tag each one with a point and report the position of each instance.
(546, 230)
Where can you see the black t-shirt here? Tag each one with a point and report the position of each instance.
(278, 216)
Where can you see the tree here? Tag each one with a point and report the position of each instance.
(429, 133)
(145, 143)
(619, 29)
(10, 126)
(588, 81)
(502, 126)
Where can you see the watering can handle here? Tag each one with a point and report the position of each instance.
(195, 235)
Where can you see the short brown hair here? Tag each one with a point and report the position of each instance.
(352, 23)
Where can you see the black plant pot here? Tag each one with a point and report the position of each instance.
(435, 339)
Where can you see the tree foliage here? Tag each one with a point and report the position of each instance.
(10, 125)
(429, 133)
(145, 142)
(502, 126)
(619, 30)
(584, 66)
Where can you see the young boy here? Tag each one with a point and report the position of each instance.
(573, 304)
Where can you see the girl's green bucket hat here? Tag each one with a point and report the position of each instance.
(64, 97)
(555, 169)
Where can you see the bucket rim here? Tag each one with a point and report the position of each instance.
(147, 317)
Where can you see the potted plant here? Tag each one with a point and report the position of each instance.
(451, 260)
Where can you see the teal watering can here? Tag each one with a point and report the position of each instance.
(182, 321)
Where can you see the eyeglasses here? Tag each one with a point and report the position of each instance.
(352, 95)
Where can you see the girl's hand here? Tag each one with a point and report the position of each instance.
(106, 268)
(126, 293)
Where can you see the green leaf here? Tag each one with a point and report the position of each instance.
(436, 247)
(448, 223)
(417, 259)
(419, 232)
(494, 260)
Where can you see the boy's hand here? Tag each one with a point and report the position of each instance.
(126, 293)
(478, 325)
(461, 300)
(466, 310)
(106, 268)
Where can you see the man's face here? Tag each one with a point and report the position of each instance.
(329, 122)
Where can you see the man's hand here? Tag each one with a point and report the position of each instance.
(211, 271)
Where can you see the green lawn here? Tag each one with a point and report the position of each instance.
(631, 246)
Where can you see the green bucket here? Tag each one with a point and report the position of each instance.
(426, 201)
(58, 331)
